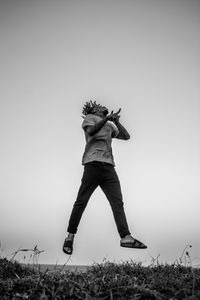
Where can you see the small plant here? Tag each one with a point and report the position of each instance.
(35, 254)
(184, 255)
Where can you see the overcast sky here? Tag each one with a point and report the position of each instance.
(142, 56)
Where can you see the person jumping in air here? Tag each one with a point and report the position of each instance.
(99, 128)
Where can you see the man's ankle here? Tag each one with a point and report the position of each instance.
(126, 236)
(70, 236)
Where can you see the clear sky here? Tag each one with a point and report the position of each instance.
(142, 56)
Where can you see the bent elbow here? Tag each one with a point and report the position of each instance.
(127, 137)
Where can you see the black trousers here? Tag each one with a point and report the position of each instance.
(104, 175)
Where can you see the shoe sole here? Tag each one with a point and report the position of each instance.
(131, 245)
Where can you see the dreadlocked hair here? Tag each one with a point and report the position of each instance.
(88, 107)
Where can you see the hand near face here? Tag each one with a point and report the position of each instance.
(114, 117)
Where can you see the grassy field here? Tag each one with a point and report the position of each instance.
(107, 280)
(54, 268)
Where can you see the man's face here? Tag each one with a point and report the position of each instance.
(101, 111)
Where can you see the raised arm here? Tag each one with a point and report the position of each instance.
(114, 117)
(92, 130)
(123, 133)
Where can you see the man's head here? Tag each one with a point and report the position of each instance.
(91, 107)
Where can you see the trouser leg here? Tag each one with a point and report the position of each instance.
(89, 183)
(111, 187)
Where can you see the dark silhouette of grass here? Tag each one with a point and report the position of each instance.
(107, 280)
